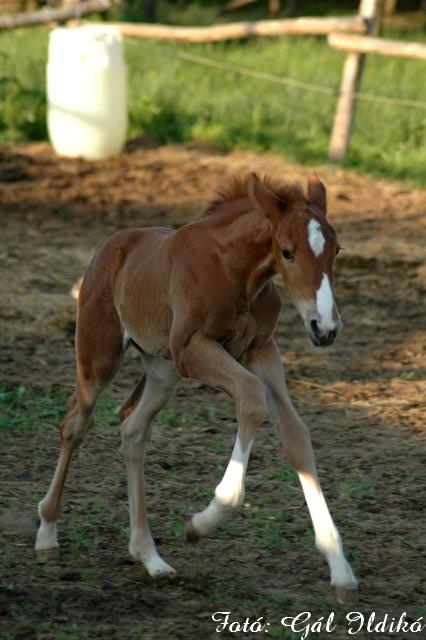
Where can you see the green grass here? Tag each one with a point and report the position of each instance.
(21, 409)
(174, 100)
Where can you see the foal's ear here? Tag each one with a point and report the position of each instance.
(316, 192)
(265, 199)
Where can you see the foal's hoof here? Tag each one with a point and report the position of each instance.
(160, 570)
(191, 533)
(345, 595)
(48, 554)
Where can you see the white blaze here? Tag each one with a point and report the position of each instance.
(325, 303)
(315, 237)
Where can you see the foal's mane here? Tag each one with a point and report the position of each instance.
(237, 187)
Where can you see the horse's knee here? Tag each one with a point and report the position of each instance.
(298, 447)
(75, 425)
(252, 409)
(134, 436)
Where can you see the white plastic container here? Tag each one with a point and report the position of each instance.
(87, 92)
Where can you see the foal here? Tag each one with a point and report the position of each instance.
(199, 303)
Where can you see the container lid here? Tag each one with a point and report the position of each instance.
(66, 44)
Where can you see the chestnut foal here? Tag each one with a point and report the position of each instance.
(199, 303)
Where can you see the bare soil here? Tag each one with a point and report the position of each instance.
(363, 400)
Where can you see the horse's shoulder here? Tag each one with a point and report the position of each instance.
(266, 310)
(268, 299)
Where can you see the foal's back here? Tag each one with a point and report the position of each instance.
(110, 257)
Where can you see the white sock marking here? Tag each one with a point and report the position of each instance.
(325, 303)
(229, 492)
(315, 237)
(327, 538)
(47, 534)
(156, 566)
(142, 548)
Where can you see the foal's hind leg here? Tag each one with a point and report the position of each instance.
(73, 429)
(266, 363)
(99, 347)
(154, 392)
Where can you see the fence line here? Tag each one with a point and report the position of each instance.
(213, 33)
(237, 30)
(253, 73)
(306, 86)
(367, 20)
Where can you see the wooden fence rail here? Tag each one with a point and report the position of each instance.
(58, 14)
(235, 30)
(367, 44)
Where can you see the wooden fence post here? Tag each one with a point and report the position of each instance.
(370, 11)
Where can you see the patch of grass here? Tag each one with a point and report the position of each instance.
(23, 58)
(356, 491)
(176, 530)
(407, 375)
(107, 411)
(169, 417)
(174, 100)
(22, 409)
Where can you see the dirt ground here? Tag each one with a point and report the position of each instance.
(363, 400)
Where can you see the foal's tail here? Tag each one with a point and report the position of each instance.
(75, 289)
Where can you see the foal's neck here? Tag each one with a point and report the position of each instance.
(244, 235)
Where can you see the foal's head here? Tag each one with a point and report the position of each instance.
(304, 248)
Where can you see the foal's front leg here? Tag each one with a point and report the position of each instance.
(206, 360)
(266, 363)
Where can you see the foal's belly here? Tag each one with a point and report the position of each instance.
(150, 332)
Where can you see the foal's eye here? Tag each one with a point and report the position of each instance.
(337, 251)
(287, 255)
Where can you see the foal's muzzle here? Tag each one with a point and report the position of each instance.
(321, 338)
